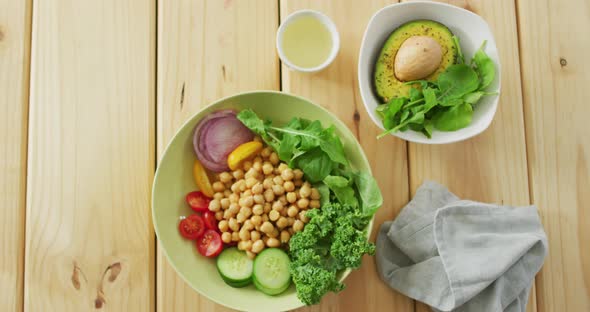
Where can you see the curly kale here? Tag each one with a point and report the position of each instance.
(331, 242)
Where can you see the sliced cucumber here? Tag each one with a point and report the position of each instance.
(235, 267)
(271, 271)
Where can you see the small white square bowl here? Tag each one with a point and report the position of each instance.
(471, 29)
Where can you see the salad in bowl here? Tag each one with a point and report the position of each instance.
(264, 201)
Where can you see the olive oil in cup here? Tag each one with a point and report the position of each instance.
(307, 41)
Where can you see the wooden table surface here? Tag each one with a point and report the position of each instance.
(92, 91)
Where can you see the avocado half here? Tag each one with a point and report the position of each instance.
(387, 85)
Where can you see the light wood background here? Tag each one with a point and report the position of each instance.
(91, 92)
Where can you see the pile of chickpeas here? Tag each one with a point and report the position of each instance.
(262, 204)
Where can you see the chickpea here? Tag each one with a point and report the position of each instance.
(297, 174)
(226, 237)
(274, 233)
(235, 237)
(227, 214)
(246, 201)
(267, 183)
(225, 177)
(303, 217)
(233, 208)
(282, 222)
(269, 195)
(278, 180)
(233, 224)
(315, 194)
(223, 226)
(250, 254)
(257, 228)
(240, 217)
(224, 203)
(254, 235)
(314, 203)
(256, 220)
(274, 158)
(243, 186)
(287, 174)
(283, 199)
(235, 187)
(267, 207)
(246, 193)
(282, 167)
(273, 242)
(290, 221)
(264, 218)
(303, 203)
(227, 191)
(274, 215)
(250, 182)
(218, 195)
(257, 210)
(241, 245)
(289, 186)
(265, 152)
(298, 183)
(297, 226)
(252, 173)
(266, 227)
(264, 239)
(238, 174)
(219, 215)
(257, 189)
(246, 211)
(304, 191)
(218, 186)
(247, 245)
(292, 211)
(233, 198)
(257, 246)
(291, 197)
(259, 199)
(278, 206)
(278, 190)
(267, 168)
(285, 236)
(247, 165)
(244, 235)
(214, 205)
(257, 165)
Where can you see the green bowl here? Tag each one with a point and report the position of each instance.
(174, 180)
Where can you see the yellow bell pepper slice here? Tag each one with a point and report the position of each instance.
(202, 180)
(243, 152)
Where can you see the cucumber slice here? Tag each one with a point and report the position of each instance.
(271, 271)
(235, 267)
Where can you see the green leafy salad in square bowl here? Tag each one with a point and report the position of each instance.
(264, 201)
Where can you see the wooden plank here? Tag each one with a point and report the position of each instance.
(556, 75)
(207, 50)
(89, 241)
(15, 34)
(336, 88)
(492, 166)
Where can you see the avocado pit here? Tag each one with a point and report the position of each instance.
(417, 58)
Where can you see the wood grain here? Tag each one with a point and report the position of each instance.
(336, 88)
(207, 50)
(556, 76)
(491, 167)
(91, 157)
(15, 35)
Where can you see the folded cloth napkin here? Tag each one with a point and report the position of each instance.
(461, 255)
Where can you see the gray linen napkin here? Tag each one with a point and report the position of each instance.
(461, 255)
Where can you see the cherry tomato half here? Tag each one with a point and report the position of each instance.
(209, 245)
(198, 201)
(191, 227)
(210, 221)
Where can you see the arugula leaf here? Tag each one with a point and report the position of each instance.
(484, 66)
(460, 58)
(415, 95)
(332, 146)
(314, 129)
(251, 120)
(428, 127)
(473, 97)
(453, 118)
(429, 98)
(417, 119)
(288, 146)
(451, 102)
(342, 190)
(316, 164)
(369, 193)
(457, 81)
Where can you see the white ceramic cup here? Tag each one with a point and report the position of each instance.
(324, 20)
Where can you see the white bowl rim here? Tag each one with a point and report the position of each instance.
(229, 304)
(426, 140)
(324, 19)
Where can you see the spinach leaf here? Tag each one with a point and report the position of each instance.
(428, 127)
(342, 190)
(324, 193)
(484, 66)
(330, 144)
(457, 81)
(415, 95)
(316, 164)
(371, 198)
(430, 99)
(453, 118)
(451, 102)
